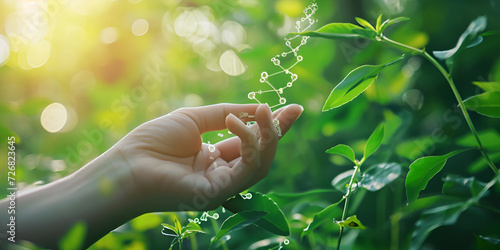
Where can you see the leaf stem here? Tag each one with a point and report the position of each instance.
(448, 78)
(348, 197)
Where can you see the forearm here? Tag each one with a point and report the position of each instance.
(94, 195)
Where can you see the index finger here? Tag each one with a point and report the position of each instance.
(213, 117)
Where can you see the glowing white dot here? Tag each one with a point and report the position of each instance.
(38, 54)
(211, 148)
(4, 50)
(109, 35)
(54, 117)
(231, 64)
(140, 27)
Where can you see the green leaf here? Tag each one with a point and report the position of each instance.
(238, 221)
(455, 185)
(365, 23)
(422, 170)
(145, 222)
(374, 141)
(74, 238)
(341, 181)
(378, 176)
(274, 222)
(171, 228)
(379, 23)
(491, 33)
(352, 222)
(481, 163)
(488, 86)
(178, 226)
(487, 104)
(339, 30)
(355, 83)
(190, 229)
(319, 218)
(390, 22)
(490, 139)
(343, 150)
(287, 198)
(434, 218)
(469, 38)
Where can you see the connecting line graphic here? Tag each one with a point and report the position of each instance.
(293, 45)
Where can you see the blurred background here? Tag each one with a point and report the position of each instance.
(78, 75)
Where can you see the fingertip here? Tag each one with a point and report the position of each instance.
(232, 122)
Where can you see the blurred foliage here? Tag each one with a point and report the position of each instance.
(92, 57)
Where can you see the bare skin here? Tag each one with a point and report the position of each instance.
(162, 165)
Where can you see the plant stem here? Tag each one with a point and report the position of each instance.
(347, 198)
(448, 78)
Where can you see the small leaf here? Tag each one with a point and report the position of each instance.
(390, 22)
(365, 23)
(422, 170)
(343, 150)
(488, 86)
(178, 226)
(339, 30)
(487, 104)
(374, 141)
(169, 227)
(434, 218)
(190, 229)
(355, 83)
(379, 23)
(74, 238)
(378, 176)
(352, 222)
(341, 181)
(319, 218)
(468, 39)
(274, 222)
(238, 221)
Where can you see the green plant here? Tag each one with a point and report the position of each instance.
(372, 179)
(422, 170)
(179, 232)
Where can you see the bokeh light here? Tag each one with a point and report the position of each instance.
(109, 35)
(38, 54)
(54, 117)
(231, 63)
(4, 50)
(140, 27)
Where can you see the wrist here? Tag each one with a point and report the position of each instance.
(111, 175)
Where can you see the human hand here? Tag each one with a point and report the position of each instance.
(171, 169)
